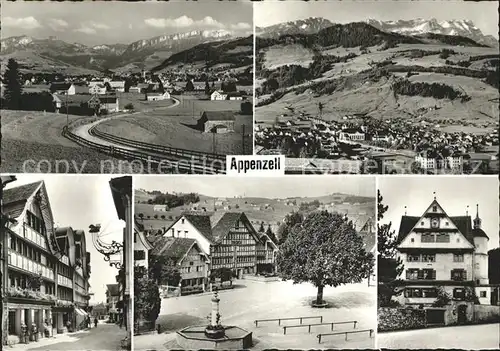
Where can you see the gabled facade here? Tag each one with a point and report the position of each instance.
(231, 243)
(218, 96)
(47, 268)
(141, 246)
(442, 252)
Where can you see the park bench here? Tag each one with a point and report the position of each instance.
(317, 324)
(287, 319)
(319, 336)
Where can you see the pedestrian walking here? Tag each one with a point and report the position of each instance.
(95, 322)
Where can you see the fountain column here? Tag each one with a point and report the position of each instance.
(215, 309)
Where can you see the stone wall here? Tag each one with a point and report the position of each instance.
(400, 319)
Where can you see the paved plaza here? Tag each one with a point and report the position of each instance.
(469, 337)
(106, 337)
(251, 300)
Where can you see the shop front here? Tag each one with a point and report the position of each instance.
(28, 320)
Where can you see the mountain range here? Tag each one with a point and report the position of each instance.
(141, 54)
(416, 27)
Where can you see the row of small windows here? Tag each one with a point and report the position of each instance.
(435, 238)
(64, 293)
(36, 223)
(458, 293)
(191, 269)
(432, 258)
(430, 274)
(28, 251)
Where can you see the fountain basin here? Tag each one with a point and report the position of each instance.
(193, 337)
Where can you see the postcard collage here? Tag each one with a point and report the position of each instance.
(249, 175)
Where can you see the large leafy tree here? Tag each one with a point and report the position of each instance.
(390, 266)
(147, 300)
(290, 221)
(163, 271)
(12, 86)
(493, 264)
(326, 250)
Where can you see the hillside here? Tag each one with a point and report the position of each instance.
(270, 211)
(359, 69)
(138, 55)
(232, 53)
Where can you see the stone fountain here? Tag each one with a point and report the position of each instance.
(215, 335)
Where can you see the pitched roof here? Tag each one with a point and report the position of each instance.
(202, 223)
(173, 248)
(108, 100)
(60, 85)
(219, 115)
(113, 289)
(228, 222)
(15, 198)
(463, 224)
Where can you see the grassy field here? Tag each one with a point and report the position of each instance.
(175, 127)
(33, 157)
(281, 55)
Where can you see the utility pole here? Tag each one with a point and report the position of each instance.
(67, 112)
(243, 141)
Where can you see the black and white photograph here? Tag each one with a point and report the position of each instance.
(254, 263)
(378, 87)
(65, 284)
(119, 87)
(438, 260)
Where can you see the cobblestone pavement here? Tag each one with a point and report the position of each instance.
(106, 337)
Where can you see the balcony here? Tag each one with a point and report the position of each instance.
(24, 263)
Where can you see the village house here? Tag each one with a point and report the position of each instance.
(97, 89)
(62, 88)
(218, 96)
(352, 134)
(434, 161)
(186, 255)
(135, 89)
(117, 85)
(96, 82)
(142, 246)
(158, 96)
(217, 121)
(160, 208)
(232, 242)
(109, 103)
(448, 254)
(58, 255)
(234, 96)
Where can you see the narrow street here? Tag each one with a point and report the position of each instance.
(106, 337)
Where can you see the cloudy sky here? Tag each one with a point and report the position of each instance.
(93, 23)
(77, 202)
(484, 14)
(453, 193)
(282, 187)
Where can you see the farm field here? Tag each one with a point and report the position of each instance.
(33, 157)
(175, 127)
(280, 55)
(357, 93)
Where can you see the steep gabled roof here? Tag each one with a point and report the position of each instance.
(219, 115)
(202, 223)
(228, 222)
(14, 199)
(463, 224)
(173, 248)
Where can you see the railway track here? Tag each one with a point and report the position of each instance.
(157, 158)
